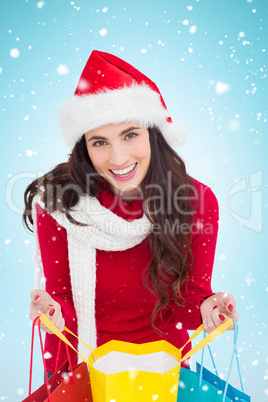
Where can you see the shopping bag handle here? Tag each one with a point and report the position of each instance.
(60, 335)
(213, 335)
(205, 341)
(44, 362)
(234, 353)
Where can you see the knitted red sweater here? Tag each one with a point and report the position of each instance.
(123, 304)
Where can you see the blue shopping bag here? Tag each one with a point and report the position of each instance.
(191, 391)
(203, 385)
(231, 392)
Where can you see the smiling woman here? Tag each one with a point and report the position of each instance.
(127, 237)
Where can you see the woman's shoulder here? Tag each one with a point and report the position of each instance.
(204, 197)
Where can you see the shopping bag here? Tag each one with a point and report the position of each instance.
(190, 391)
(127, 372)
(61, 388)
(231, 392)
(67, 384)
(203, 385)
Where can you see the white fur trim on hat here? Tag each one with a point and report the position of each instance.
(138, 103)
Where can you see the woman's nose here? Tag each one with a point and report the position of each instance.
(118, 157)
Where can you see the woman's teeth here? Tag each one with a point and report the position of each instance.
(124, 172)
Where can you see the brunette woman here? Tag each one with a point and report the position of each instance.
(127, 238)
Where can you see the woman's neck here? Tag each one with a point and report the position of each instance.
(127, 196)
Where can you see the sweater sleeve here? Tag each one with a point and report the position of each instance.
(204, 237)
(54, 255)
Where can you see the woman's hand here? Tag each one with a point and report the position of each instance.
(42, 303)
(216, 309)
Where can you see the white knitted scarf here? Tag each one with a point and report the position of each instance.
(104, 231)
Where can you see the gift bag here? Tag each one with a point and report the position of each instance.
(122, 371)
(190, 391)
(206, 386)
(67, 384)
(227, 389)
(127, 372)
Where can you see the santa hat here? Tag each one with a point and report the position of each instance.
(111, 91)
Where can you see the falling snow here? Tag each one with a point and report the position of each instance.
(40, 4)
(221, 257)
(193, 29)
(221, 87)
(103, 32)
(62, 69)
(14, 53)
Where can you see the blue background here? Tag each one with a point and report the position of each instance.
(209, 60)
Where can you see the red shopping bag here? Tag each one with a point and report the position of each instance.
(67, 384)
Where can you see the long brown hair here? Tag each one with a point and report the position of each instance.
(167, 191)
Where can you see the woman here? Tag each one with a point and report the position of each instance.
(127, 237)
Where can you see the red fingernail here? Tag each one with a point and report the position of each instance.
(215, 307)
(230, 307)
(36, 297)
(51, 312)
(221, 316)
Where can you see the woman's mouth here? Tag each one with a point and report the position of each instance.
(126, 173)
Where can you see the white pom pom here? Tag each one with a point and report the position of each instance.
(174, 133)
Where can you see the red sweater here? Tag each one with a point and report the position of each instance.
(123, 304)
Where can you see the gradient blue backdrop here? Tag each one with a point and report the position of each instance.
(209, 60)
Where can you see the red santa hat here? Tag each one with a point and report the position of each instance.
(111, 91)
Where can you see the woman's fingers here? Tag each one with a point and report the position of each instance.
(229, 313)
(218, 316)
(55, 316)
(212, 320)
(43, 303)
(216, 309)
(39, 302)
(229, 303)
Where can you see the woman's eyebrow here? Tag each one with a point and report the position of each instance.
(98, 137)
(129, 129)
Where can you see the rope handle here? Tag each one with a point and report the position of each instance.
(44, 360)
(234, 353)
(60, 335)
(208, 339)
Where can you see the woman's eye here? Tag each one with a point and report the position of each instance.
(98, 143)
(131, 135)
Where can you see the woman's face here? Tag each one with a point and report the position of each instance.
(120, 153)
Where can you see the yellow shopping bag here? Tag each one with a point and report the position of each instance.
(127, 372)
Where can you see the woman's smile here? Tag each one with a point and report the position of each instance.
(125, 173)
